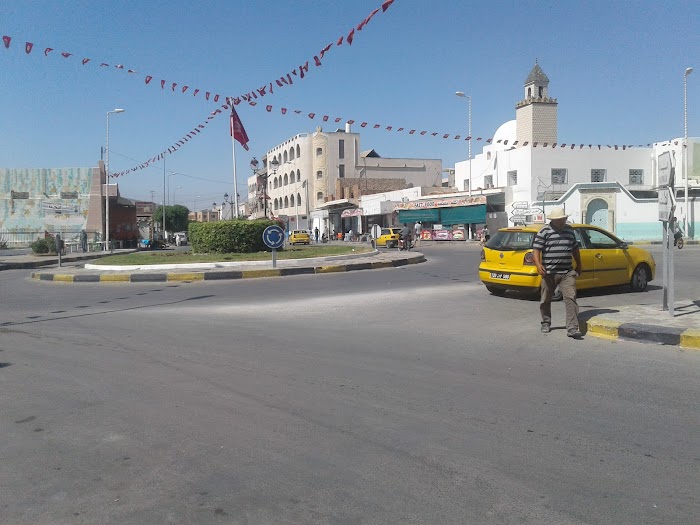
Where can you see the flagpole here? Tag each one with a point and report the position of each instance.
(235, 180)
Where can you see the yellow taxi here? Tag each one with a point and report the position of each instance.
(507, 261)
(299, 237)
(389, 237)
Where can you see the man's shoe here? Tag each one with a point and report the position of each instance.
(545, 329)
(574, 334)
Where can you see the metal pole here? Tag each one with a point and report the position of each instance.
(107, 187)
(688, 71)
(234, 197)
(165, 194)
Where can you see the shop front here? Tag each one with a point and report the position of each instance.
(444, 219)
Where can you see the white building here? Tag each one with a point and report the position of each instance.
(611, 186)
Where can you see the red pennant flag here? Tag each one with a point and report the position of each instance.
(6, 40)
(148, 78)
(386, 5)
(237, 130)
(174, 84)
(445, 135)
(279, 82)
(297, 111)
(351, 121)
(515, 143)
(119, 66)
(324, 50)
(478, 138)
(388, 128)
(434, 134)
(526, 143)
(338, 119)
(28, 47)
(216, 98)
(499, 141)
(312, 115)
(363, 124)
(457, 137)
(423, 132)
(195, 92)
(104, 64)
(554, 145)
(573, 146)
(66, 55)
(130, 71)
(534, 144)
(325, 118)
(317, 61)
(47, 51)
(207, 95)
(338, 43)
(268, 108)
(162, 84)
(544, 145)
(372, 14)
(400, 129)
(350, 37)
(185, 88)
(615, 147)
(284, 111)
(85, 60)
(563, 145)
(489, 140)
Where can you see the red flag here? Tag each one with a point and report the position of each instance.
(338, 119)
(66, 55)
(237, 130)
(268, 108)
(386, 5)
(28, 47)
(363, 124)
(47, 51)
(350, 36)
(6, 40)
(85, 60)
(148, 78)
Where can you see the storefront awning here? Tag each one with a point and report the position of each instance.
(429, 215)
(463, 215)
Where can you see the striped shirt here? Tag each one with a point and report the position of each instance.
(556, 248)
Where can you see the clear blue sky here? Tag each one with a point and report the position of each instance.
(616, 69)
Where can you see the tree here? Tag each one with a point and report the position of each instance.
(175, 217)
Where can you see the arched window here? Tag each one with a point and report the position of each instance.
(319, 196)
(276, 204)
(291, 200)
(319, 175)
(275, 181)
(529, 92)
(541, 91)
(298, 151)
(319, 152)
(286, 202)
(298, 175)
(299, 199)
(285, 156)
(286, 179)
(291, 153)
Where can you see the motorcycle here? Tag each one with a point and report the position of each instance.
(678, 241)
(405, 244)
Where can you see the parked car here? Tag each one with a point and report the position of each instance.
(389, 237)
(299, 237)
(507, 261)
(180, 238)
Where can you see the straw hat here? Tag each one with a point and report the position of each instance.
(557, 213)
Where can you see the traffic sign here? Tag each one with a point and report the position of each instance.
(273, 237)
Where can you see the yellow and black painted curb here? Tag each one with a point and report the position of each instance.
(610, 329)
(141, 277)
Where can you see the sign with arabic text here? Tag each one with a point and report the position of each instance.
(442, 203)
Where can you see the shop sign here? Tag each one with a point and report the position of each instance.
(442, 203)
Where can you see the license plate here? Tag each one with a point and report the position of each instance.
(500, 275)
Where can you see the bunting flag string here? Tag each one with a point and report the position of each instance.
(286, 79)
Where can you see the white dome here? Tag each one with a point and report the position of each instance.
(507, 131)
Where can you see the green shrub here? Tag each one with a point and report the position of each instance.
(237, 236)
(47, 245)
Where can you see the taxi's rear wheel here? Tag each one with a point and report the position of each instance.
(640, 278)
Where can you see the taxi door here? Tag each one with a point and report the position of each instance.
(587, 279)
(609, 259)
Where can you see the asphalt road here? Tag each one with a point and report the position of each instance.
(405, 395)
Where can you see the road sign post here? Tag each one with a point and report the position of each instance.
(273, 237)
(667, 216)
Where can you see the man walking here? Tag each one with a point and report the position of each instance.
(316, 234)
(553, 249)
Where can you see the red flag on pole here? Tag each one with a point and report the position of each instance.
(237, 129)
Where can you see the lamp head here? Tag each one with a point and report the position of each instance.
(117, 111)
(274, 164)
(461, 94)
(688, 71)
(254, 164)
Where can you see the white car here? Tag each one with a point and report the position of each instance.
(181, 238)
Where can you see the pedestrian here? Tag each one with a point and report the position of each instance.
(83, 241)
(417, 228)
(316, 234)
(553, 249)
(486, 235)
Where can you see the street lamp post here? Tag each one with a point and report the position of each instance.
(688, 71)
(469, 140)
(254, 168)
(175, 194)
(274, 165)
(107, 179)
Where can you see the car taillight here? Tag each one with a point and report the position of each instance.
(483, 255)
(529, 259)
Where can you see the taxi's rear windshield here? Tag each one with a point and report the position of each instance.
(511, 241)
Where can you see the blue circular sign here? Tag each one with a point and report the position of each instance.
(273, 237)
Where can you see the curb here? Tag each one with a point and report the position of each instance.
(188, 277)
(609, 329)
